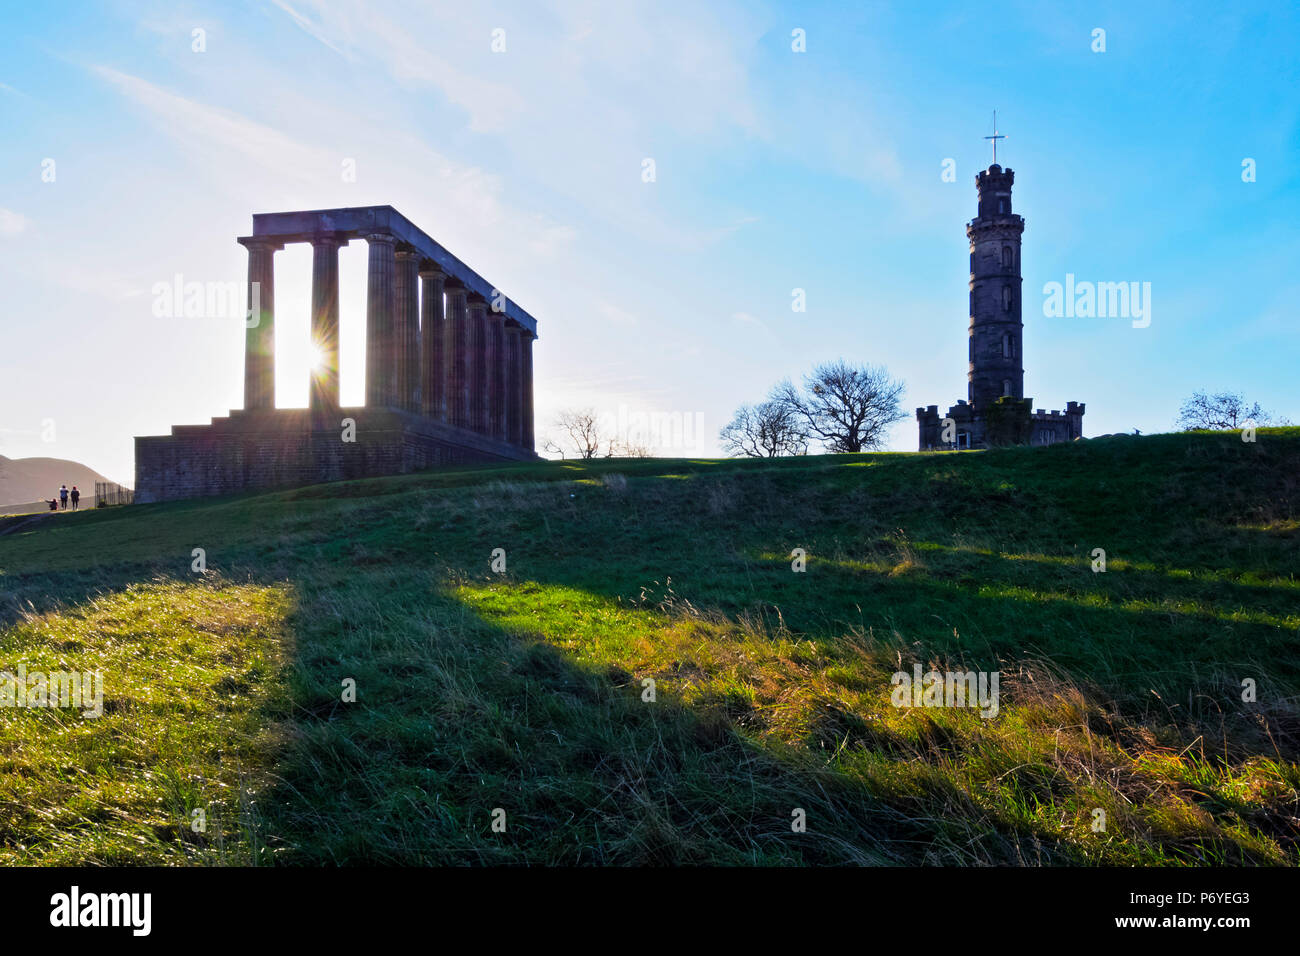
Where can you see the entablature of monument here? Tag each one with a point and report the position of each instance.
(359, 222)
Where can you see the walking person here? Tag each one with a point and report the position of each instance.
(75, 496)
(63, 497)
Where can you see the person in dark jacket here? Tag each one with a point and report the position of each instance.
(75, 496)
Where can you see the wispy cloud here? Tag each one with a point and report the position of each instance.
(613, 313)
(311, 28)
(568, 100)
(12, 223)
(393, 42)
(209, 132)
(249, 157)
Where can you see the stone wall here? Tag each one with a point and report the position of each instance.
(291, 447)
(1051, 428)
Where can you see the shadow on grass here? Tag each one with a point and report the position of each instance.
(460, 722)
(455, 718)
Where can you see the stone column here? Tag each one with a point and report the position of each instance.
(325, 322)
(407, 329)
(381, 304)
(433, 336)
(514, 390)
(456, 352)
(526, 387)
(495, 395)
(259, 334)
(478, 366)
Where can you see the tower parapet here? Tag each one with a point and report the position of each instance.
(994, 188)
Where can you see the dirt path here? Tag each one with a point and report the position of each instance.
(12, 523)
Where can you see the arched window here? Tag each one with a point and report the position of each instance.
(1006, 257)
(1006, 386)
(1006, 298)
(1006, 345)
(1002, 207)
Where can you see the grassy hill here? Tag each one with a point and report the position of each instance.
(523, 691)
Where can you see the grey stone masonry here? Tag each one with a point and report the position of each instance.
(496, 377)
(526, 387)
(514, 385)
(281, 448)
(995, 329)
(406, 371)
(995, 409)
(457, 356)
(447, 381)
(325, 322)
(433, 335)
(381, 306)
(478, 364)
(259, 336)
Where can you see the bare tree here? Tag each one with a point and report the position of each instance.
(626, 448)
(848, 408)
(1220, 412)
(582, 429)
(766, 430)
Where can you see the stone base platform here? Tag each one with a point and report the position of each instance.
(289, 447)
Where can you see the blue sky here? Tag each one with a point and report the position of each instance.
(775, 170)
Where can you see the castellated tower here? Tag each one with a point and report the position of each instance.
(996, 410)
(996, 360)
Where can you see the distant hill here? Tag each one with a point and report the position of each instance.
(24, 480)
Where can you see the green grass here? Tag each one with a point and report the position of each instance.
(523, 691)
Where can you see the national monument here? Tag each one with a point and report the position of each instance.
(449, 370)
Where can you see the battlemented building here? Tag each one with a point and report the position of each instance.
(449, 370)
(995, 411)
